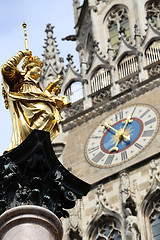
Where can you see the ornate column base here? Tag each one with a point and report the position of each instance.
(30, 223)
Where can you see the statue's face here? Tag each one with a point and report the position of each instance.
(35, 72)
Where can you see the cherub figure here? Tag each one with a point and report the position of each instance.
(30, 107)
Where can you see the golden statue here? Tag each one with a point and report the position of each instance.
(30, 107)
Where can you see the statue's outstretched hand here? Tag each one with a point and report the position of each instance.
(27, 52)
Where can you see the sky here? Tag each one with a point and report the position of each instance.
(37, 14)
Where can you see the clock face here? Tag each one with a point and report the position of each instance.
(122, 136)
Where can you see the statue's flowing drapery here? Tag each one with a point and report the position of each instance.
(29, 106)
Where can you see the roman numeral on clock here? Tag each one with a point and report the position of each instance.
(124, 155)
(147, 111)
(119, 116)
(138, 145)
(98, 157)
(148, 133)
(133, 111)
(109, 159)
(150, 121)
(94, 136)
(90, 150)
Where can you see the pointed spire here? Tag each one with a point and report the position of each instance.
(52, 63)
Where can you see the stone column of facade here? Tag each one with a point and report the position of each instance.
(30, 223)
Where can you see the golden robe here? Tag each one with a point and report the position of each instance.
(30, 108)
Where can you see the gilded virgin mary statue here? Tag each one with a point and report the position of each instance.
(30, 107)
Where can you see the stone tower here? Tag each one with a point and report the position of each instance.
(111, 132)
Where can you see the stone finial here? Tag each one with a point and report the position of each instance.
(124, 186)
(52, 62)
(70, 59)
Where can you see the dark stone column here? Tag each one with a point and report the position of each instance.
(35, 190)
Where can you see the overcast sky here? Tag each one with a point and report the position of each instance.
(37, 14)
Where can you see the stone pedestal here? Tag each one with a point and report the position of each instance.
(30, 223)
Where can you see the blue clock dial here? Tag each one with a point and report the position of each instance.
(109, 138)
(122, 136)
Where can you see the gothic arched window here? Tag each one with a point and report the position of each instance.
(118, 22)
(74, 91)
(107, 229)
(153, 12)
(153, 218)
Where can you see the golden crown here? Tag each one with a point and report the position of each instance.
(32, 59)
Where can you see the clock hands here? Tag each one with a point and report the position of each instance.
(120, 134)
(115, 148)
(128, 120)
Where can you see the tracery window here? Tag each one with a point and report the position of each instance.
(118, 22)
(108, 230)
(74, 91)
(153, 12)
(155, 220)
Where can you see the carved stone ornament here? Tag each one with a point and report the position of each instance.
(154, 173)
(102, 205)
(31, 174)
(129, 83)
(131, 226)
(155, 70)
(74, 109)
(101, 96)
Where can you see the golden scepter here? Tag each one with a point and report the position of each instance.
(24, 25)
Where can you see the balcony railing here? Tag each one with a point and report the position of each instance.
(74, 92)
(128, 66)
(100, 80)
(153, 53)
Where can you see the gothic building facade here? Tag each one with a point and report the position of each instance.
(110, 136)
